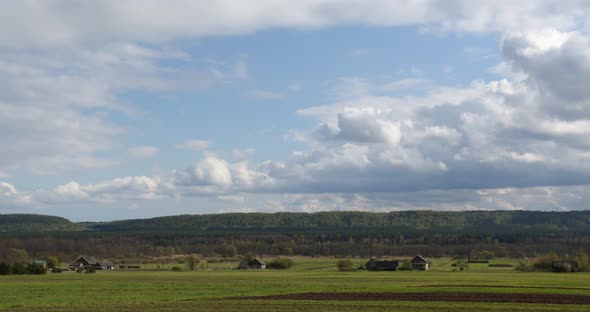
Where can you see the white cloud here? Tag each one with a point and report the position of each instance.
(11, 198)
(65, 23)
(143, 151)
(242, 153)
(195, 145)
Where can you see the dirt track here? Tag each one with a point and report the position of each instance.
(455, 297)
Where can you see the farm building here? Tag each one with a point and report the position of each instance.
(254, 264)
(381, 265)
(419, 263)
(85, 262)
(42, 263)
(565, 266)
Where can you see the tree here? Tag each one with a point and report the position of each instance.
(287, 251)
(14, 255)
(4, 268)
(230, 251)
(19, 268)
(52, 262)
(582, 259)
(280, 263)
(345, 265)
(35, 268)
(191, 262)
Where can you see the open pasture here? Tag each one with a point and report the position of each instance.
(230, 290)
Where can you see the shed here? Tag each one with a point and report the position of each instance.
(381, 265)
(419, 263)
(254, 264)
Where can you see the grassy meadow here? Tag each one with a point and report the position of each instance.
(208, 290)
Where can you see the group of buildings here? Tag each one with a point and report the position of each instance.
(418, 263)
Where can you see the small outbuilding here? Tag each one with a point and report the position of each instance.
(41, 263)
(254, 264)
(381, 265)
(419, 263)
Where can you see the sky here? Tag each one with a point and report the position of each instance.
(134, 109)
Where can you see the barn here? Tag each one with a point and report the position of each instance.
(419, 263)
(381, 265)
(254, 264)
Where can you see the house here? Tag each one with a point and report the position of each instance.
(419, 263)
(381, 265)
(42, 263)
(565, 266)
(85, 262)
(254, 264)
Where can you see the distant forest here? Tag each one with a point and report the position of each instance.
(362, 234)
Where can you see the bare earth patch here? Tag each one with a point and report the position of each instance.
(451, 297)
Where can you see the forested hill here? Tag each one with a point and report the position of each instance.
(402, 221)
(417, 220)
(19, 223)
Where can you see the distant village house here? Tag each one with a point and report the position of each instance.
(419, 263)
(381, 265)
(84, 262)
(254, 264)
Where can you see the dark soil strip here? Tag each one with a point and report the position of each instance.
(454, 297)
(507, 286)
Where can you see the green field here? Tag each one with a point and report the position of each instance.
(207, 290)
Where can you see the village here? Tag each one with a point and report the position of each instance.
(92, 264)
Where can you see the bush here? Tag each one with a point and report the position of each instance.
(90, 269)
(406, 266)
(345, 265)
(280, 263)
(176, 269)
(19, 268)
(544, 263)
(36, 268)
(4, 268)
(56, 270)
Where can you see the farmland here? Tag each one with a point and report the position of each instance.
(221, 289)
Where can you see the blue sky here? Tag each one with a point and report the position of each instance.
(202, 107)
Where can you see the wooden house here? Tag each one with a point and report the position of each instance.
(381, 265)
(84, 262)
(419, 263)
(254, 264)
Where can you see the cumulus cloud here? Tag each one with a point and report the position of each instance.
(65, 23)
(10, 197)
(512, 143)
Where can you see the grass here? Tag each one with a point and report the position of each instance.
(185, 291)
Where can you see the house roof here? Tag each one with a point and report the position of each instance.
(418, 259)
(42, 262)
(257, 260)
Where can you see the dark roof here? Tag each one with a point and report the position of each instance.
(418, 259)
(382, 265)
(257, 260)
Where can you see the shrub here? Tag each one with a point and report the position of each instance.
(90, 269)
(19, 268)
(544, 263)
(345, 265)
(4, 268)
(406, 266)
(176, 269)
(56, 270)
(280, 263)
(35, 268)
